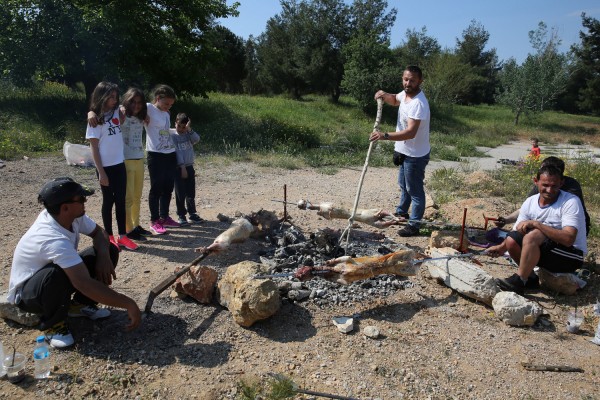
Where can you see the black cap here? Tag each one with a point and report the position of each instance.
(61, 190)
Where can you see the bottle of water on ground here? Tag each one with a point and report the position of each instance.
(41, 358)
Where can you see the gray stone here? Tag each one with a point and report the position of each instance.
(14, 313)
(296, 285)
(248, 299)
(298, 295)
(462, 275)
(515, 310)
(371, 332)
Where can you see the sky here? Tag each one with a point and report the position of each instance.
(508, 21)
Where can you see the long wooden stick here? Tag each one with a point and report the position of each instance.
(158, 289)
(552, 368)
(346, 232)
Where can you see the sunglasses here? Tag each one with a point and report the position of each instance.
(81, 200)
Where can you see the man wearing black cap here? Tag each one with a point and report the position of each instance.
(47, 269)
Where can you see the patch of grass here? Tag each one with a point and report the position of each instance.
(277, 387)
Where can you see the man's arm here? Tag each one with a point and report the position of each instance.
(406, 134)
(97, 291)
(389, 98)
(565, 236)
(105, 270)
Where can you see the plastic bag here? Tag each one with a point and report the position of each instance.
(78, 154)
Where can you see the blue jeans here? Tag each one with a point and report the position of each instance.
(411, 176)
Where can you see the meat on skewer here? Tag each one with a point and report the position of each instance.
(375, 216)
(239, 231)
(346, 270)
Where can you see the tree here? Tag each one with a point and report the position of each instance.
(417, 49)
(251, 82)
(588, 68)
(229, 71)
(368, 62)
(301, 47)
(449, 80)
(277, 53)
(483, 64)
(534, 85)
(132, 41)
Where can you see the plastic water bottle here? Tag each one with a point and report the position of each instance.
(41, 358)
(2, 369)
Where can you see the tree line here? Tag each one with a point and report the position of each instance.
(311, 46)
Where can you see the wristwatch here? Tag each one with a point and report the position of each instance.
(386, 136)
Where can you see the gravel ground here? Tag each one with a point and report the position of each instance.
(434, 343)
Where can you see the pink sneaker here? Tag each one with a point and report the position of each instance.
(127, 243)
(114, 241)
(170, 223)
(158, 228)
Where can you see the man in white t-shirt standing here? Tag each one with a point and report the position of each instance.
(411, 150)
(549, 232)
(47, 269)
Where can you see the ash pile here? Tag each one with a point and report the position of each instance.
(293, 249)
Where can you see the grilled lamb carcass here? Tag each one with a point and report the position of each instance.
(346, 270)
(239, 231)
(375, 216)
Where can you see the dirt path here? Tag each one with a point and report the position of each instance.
(435, 343)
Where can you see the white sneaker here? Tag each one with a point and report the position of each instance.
(89, 311)
(59, 336)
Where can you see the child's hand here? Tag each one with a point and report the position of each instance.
(184, 173)
(188, 126)
(103, 179)
(92, 119)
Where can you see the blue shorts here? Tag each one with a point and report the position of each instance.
(553, 256)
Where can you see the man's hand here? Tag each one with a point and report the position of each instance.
(496, 251)
(184, 174)
(500, 222)
(375, 136)
(135, 316)
(526, 226)
(105, 270)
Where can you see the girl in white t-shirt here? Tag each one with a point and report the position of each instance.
(106, 142)
(162, 161)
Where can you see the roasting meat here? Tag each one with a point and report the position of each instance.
(239, 231)
(375, 216)
(346, 270)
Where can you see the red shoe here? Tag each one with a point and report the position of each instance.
(114, 241)
(127, 243)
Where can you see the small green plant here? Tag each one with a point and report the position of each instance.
(248, 390)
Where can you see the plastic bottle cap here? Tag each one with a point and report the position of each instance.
(40, 339)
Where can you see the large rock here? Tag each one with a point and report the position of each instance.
(515, 310)
(198, 283)
(462, 275)
(445, 238)
(14, 313)
(248, 299)
(564, 283)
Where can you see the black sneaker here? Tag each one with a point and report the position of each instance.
(408, 231)
(182, 221)
(135, 235)
(142, 231)
(533, 282)
(196, 218)
(513, 283)
(401, 215)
